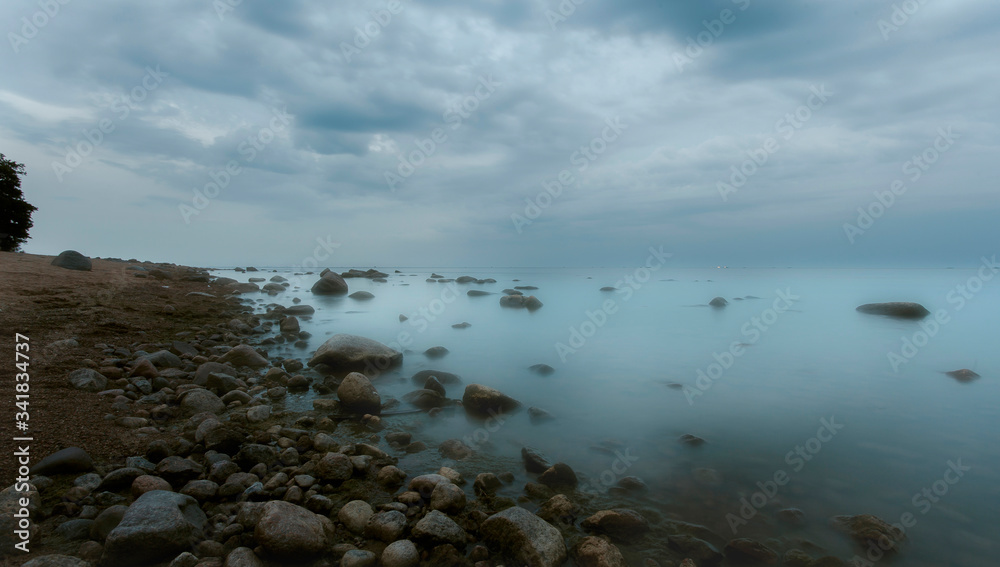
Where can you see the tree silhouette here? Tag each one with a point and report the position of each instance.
(15, 212)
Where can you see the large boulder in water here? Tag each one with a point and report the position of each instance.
(73, 260)
(330, 283)
(157, 527)
(485, 401)
(357, 395)
(529, 302)
(352, 353)
(525, 538)
(901, 309)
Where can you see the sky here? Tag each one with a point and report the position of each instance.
(507, 133)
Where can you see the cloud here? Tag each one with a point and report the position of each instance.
(699, 86)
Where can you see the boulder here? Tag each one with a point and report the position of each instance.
(620, 523)
(448, 498)
(201, 374)
(487, 402)
(436, 352)
(73, 260)
(718, 302)
(330, 283)
(455, 449)
(68, 460)
(867, 530)
(88, 379)
(421, 377)
(529, 302)
(701, 551)
(165, 359)
(558, 475)
(524, 537)
(901, 309)
(290, 533)
(334, 467)
(534, 461)
(963, 375)
(436, 528)
(300, 310)
(243, 557)
(352, 353)
(156, 527)
(362, 295)
(357, 395)
(244, 355)
(425, 399)
(402, 553)
(434, 384)
(543, 369)
(595, 552)
(355, 515)
(290, 325)
(200, 400)
(387, 526)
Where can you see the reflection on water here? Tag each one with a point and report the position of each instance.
(797, 396)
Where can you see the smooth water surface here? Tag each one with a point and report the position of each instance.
(627, 385)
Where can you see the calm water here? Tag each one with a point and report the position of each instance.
(818, 359)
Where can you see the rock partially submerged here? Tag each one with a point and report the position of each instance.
(484, 401)
(867, 529)
(963, 375)
(352, 353)
(530, 302)
(718, 302)
(900, 309)
(330, 283)
(442, 377)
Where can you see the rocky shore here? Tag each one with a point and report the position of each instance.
(158, 411)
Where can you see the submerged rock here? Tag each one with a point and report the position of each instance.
(330, 283)
(619, 523)
(867, 529)
(718, 302)
(442, 377)
(543, 369)
(436, 352)
(487, 402)
(963, 375)
(901, 309)
(425, 399)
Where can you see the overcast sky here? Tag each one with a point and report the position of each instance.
(424, 133)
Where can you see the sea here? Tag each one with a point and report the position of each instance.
(785, 398)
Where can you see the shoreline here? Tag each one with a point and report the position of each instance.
(188, 409)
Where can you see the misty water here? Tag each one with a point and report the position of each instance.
(812, 375)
